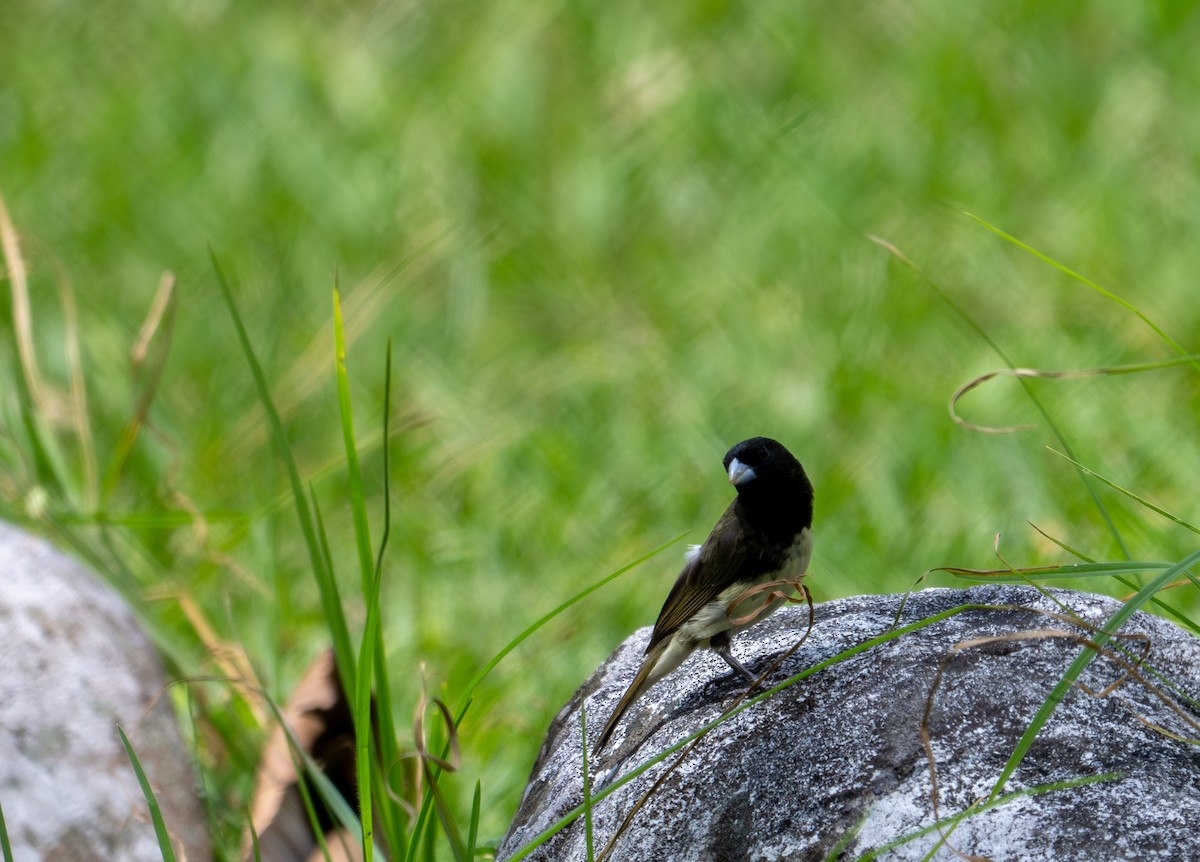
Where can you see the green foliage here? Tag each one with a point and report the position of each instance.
(607, 241)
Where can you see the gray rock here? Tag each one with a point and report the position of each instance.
(836, 759)
(73, 664)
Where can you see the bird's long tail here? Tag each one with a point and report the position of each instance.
(645, 678)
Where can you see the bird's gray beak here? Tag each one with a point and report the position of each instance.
(739, 473)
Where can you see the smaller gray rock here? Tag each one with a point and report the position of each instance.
(73, 664)
(836, 759)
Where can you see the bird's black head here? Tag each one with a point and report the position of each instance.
(764, 471)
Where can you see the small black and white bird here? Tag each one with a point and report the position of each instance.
(764, 535)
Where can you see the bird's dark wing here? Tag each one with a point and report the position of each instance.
(720, 561)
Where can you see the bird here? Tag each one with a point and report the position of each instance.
(764, 535)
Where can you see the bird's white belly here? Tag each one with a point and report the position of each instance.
(713, 618)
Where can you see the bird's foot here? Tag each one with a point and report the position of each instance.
(720, 644)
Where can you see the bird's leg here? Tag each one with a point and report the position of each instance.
(719, 643)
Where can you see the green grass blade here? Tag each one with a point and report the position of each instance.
(1081, 661)
(160, 828)
(48, 461)
(589, 839)
(362, 718)
(429, 848)
(310, 808)
(5, 847)
(196, 756)
(367, 657)
(388, 745)
(256, 851)
(836, 851)
(387, 461)
(1049, 573)
(1107, 294)
(343, 652)
(422, 825)
(325, 580)
(458, 846)
(332, 799)
(421, 840)
(358, 507)
(1074, 552)
(329, 795)
(1142, 501)
(368, 570)
(473, 827)
(1120, 572)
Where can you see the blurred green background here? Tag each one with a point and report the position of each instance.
(608, 240)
